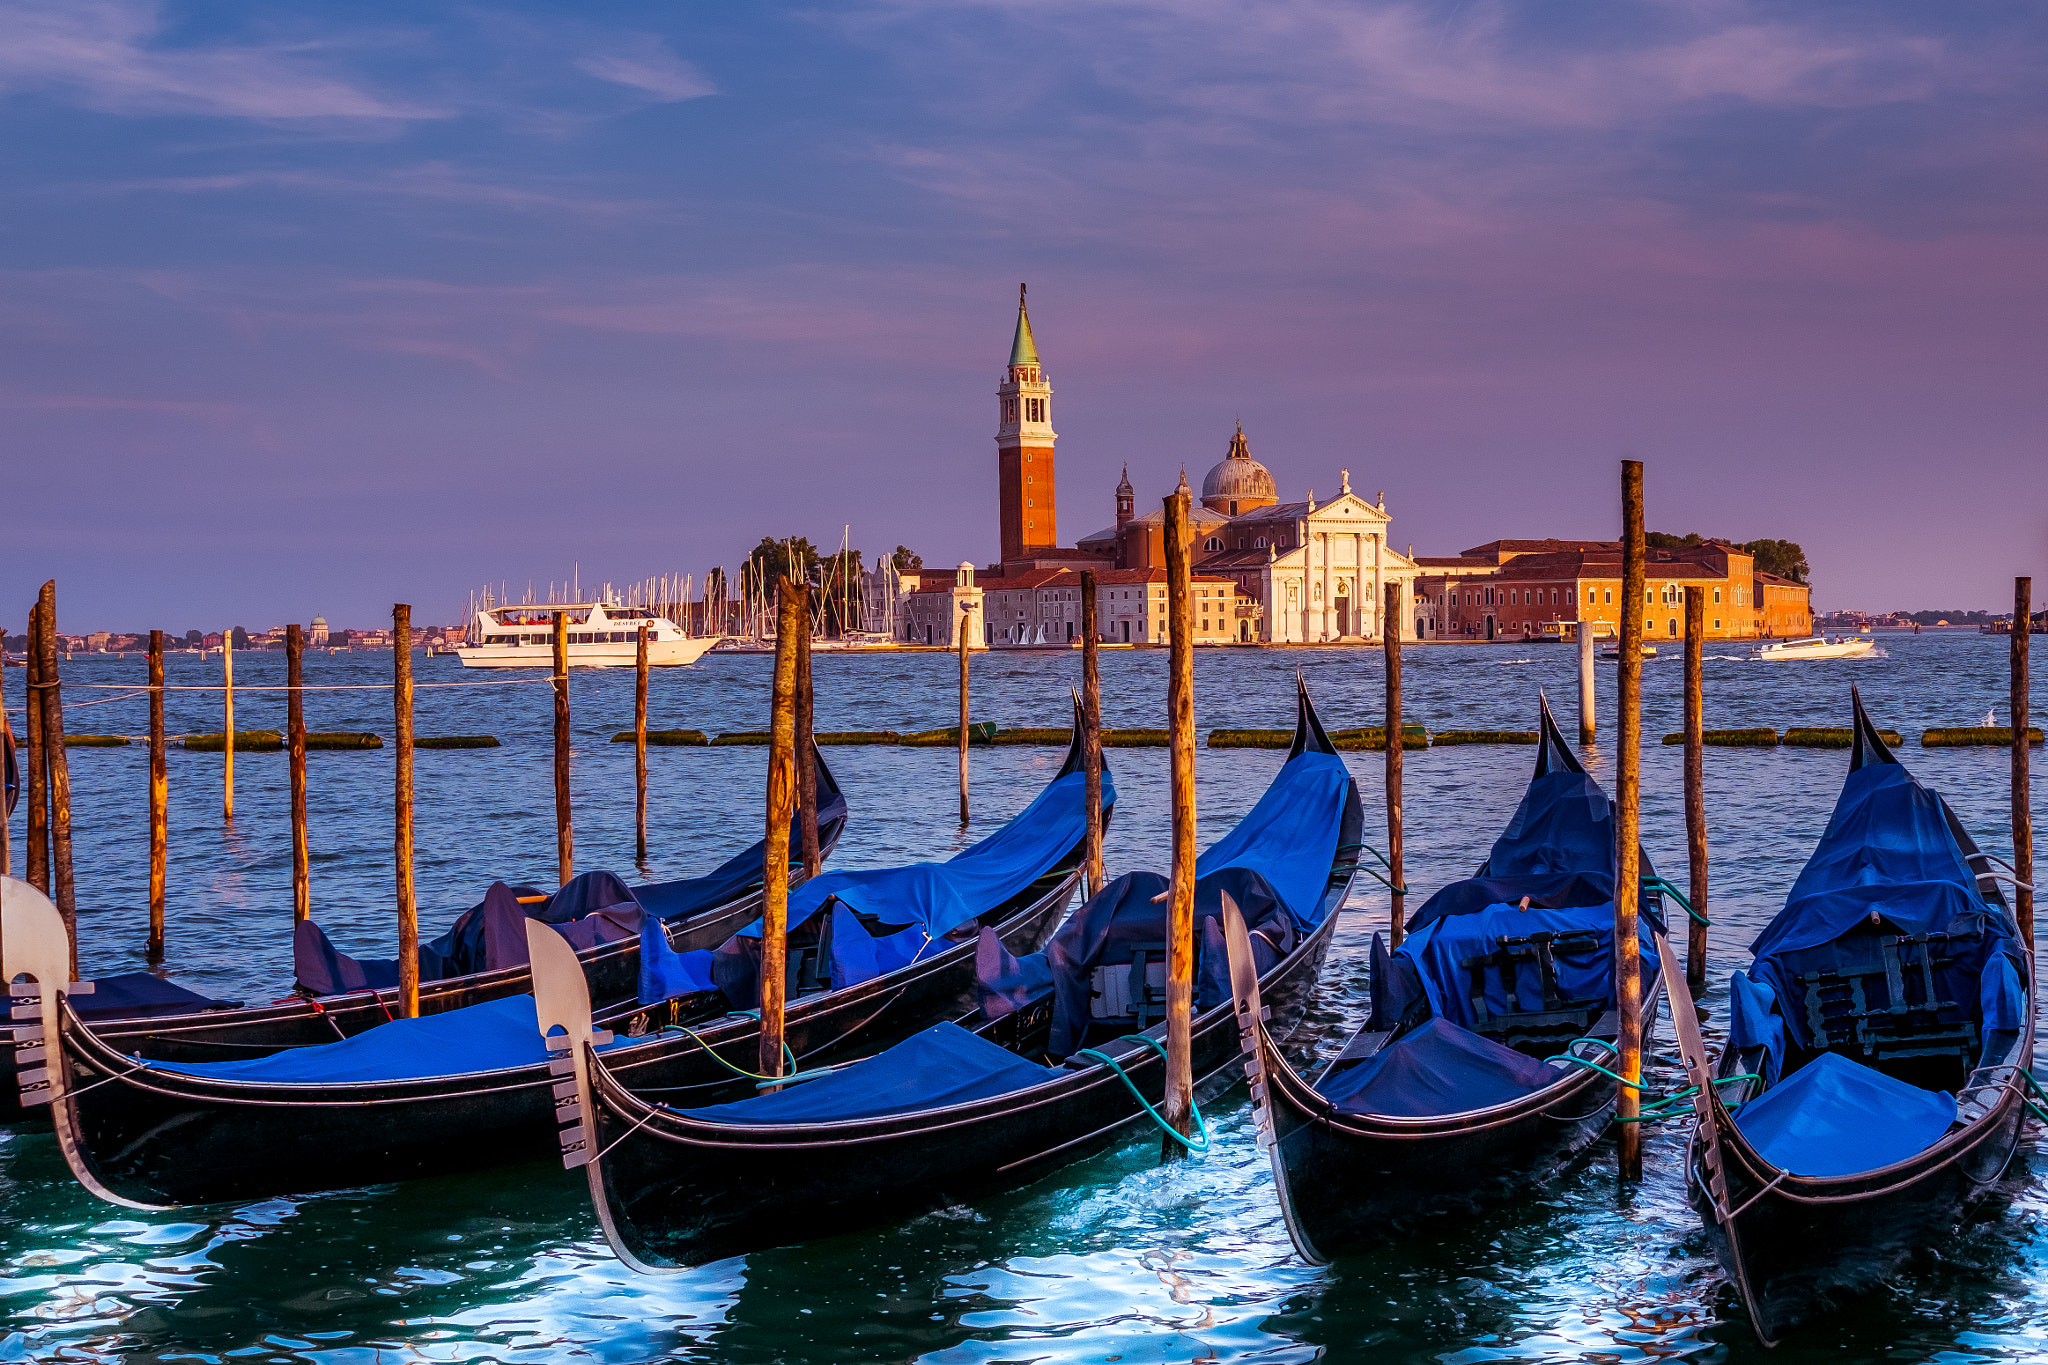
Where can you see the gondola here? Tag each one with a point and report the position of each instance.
(967, 1105)
(1475, 1075)
(1870, 1089)
(470, 1088)
(140, 1014)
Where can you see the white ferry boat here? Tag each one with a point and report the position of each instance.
(1816, 647)
(601, 635)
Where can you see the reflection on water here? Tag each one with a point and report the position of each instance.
(1114, 1259)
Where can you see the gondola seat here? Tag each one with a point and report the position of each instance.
(1555, 1018)
(1886, 997)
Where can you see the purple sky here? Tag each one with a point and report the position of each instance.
(311, 309)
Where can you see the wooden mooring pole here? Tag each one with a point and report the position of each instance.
(1587, 701)
(2022, 789)
(565, 835)
(408, 901)
(1696, 785)
(640, 746)
(227, 747)
(1391, 633)
(295, 726)
(791, 622)
(37, 873)
(159, 799)
(66, 895)
(966, 619)
(1091, 734)
(806, 756)
(1628, 977)
(1179, 1101)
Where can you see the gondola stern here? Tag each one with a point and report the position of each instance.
(1867, 745)
(1309, 735)
(1551, 742)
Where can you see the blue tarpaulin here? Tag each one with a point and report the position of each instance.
(666, 973)
(1290, 836)
(1587, 973)
(1564, 824)
(1438, 1068)
(487, 1037)
(138, 995)
(1753, 1022)
(736, 875)
(941, 1066)
(1838, 1117)
(1545, 890)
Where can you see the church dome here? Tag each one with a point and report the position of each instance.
(1240, 483)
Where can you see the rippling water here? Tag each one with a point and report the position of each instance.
(1117, 1259)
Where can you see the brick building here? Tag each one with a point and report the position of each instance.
(1523, 589)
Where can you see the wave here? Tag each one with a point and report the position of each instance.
(1510, 663)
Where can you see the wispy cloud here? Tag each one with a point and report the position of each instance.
(438, 181)
(646, 64)
(114, 56)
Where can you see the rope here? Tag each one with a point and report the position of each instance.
(307, 687)
(1397, 890)
(1201, 1123)
(789, 1056)
(1659, 884)
(2034, 1086)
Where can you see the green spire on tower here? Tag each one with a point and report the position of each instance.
(1023, 350)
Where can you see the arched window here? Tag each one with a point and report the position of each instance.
(1213, 543)
(1259, 543)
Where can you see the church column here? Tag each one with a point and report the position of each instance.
(1329, 589)
(1379, 588)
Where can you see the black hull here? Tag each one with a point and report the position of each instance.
(155, 1139)
(1346, 1180)
(1799, 1247)
(678, 1193)
(612, 970)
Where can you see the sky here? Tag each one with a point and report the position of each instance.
(311, 309)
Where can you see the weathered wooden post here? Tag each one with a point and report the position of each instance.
(159, 799)
(1179, 1101)
(1696, 785)
(1587, 703)
(565, 836)
(227, 748)
(640, 745)
(38, 870)
(1391, 633)
(1091, 732)
(6, 816)
(60, 773)
(966, 618)
(295, 726)
(2022, 792)
(408, 901)
(791, 621)
(806, 756)
(1628, 975)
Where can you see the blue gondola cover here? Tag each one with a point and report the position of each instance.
(139, 995)
(1442, 948)
(1438, 1068)
(1835, 1117)
(1290, 837)
(941, 1066)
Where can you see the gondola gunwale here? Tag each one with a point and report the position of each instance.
(1305, 1107)
(1771, 1184)
(1076, 1083)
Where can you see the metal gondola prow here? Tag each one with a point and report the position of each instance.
(1550, 740)
(1309, 735)
(1868, 745)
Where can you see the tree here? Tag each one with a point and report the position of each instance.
(905, 561)
(1781, 557)
(194, 639)
(241, 638)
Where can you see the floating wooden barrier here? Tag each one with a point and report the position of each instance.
(672, 739)
(1758, 738)
(1134, 739)
(1374, 737)
(855, 737)
(978, 732)
(1443, 737)
(1808, 737)
(95, 741)
(1957, 736)
(1250, 739)
(1057, 738)
(451, 742)
(345, 739)
(246, 742)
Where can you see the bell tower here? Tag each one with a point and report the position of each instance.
(1024, 442)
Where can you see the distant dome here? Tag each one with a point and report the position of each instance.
(319, 620)
(1239, 479)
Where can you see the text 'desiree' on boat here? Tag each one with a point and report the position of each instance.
(1872, 1086)
(1062, 1056)
(1481, 1070)
(874, 956)
(481, 958)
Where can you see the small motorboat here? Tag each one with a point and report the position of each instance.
(601, 635)
(1613, 651)
(1816, 647)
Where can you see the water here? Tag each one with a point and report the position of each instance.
(1116, 1259)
